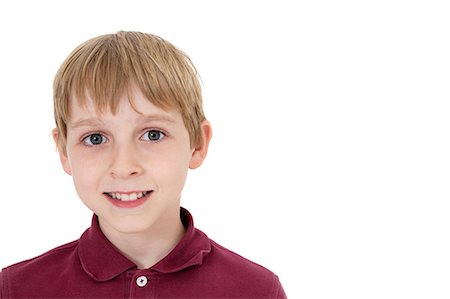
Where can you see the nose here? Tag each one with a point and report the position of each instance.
(125, 162)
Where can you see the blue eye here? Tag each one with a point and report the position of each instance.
(153, 135)
(94, 139)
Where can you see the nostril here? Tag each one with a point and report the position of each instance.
(123, 174)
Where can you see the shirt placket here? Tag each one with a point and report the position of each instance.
(143, 284)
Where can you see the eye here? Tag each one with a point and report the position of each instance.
(153, 135)
(94, 139)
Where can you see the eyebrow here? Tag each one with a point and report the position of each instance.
(156, 117)
(86, 122)
(144, 118)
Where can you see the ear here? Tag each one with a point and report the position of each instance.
(200, 151)
(62, 152)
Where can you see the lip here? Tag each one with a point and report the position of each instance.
(129, 203)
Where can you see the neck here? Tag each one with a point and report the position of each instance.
(146, 248)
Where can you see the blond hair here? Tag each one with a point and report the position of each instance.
(107, 66)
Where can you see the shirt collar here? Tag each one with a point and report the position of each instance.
(102, 261)
(190, 251)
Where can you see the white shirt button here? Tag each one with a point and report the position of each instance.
(141, 281)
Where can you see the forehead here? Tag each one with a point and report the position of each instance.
(131, 103)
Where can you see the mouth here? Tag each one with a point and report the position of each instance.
(127, 196)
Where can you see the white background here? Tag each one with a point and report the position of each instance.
(330, 158)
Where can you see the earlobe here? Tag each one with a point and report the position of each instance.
(62, 152)
(199, 152)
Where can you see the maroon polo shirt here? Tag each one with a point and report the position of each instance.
(92, 267)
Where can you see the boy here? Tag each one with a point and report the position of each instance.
(129, 125)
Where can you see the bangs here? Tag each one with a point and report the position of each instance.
(105, 70)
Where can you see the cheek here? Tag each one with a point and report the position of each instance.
(85, 172)
(171, 171)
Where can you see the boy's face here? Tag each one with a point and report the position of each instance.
(130, 168)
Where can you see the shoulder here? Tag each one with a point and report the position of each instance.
(243, 273)
(232, 260)
(38, 271)
(46, 260)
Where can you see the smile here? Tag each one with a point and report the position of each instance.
(129, 196)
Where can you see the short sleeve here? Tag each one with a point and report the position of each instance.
(278, 291)
(1, 286)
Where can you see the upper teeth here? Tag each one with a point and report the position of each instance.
(127, 197)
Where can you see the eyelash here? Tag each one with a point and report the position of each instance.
(162, 135)
(87, 139)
